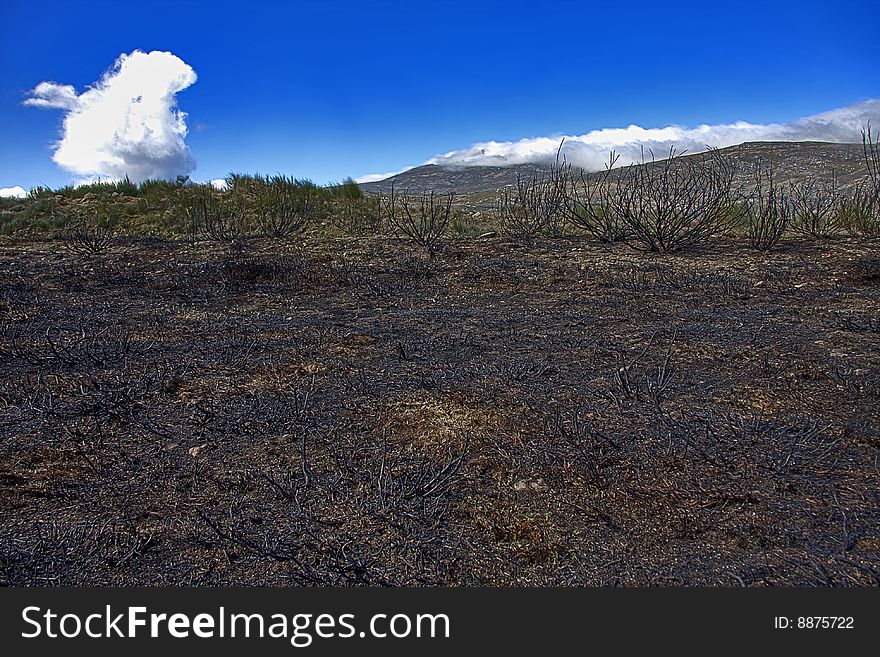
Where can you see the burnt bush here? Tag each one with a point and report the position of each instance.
(675, 203)
(814, 207)
(534, 206)
(424, 218)
(767, 210)
(866, 270)
(871, 151)
(212, 215)
(590, 206)
(860, 212)
(240, 270)
(90, 236)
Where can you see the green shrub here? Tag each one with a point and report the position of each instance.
(285, 206)
(356, 215)
(859, 214)
(211, 214)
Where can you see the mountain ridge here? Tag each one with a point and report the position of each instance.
(790, 160)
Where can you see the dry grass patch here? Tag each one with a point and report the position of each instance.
(277, 378)
(431, 424)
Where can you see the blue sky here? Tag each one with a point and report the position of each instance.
(330, 89)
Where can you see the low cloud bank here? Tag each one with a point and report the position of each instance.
(591, 150)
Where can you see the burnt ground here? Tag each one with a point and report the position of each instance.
(340, 412)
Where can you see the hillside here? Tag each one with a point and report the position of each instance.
(790, 160)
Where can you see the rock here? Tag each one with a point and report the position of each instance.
(195, 451)
(535, 485)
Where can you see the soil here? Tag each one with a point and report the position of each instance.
(347, 411)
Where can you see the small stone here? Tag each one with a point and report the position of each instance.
(535, 485)
(195, 451)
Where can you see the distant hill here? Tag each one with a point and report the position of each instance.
(462, 180)
(790, 160)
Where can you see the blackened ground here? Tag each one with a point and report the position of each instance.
(345, 412)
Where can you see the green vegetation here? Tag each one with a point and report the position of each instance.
(659, 206)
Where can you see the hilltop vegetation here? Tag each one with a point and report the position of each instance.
(660, 205)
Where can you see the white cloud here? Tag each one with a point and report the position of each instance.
(591, 150)
(127, 123)
(51, 95)
(376, 177)
(13, 192)
(219, 183)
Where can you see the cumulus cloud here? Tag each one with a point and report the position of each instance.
(127, 123)
(13, 192)
(51, 95)
(591, 150)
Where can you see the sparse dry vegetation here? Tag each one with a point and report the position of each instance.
(675, 203)
(424, 219)
(589, 203)
(767, 210)
(816, 207)
(534, 206)
(283, 206)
